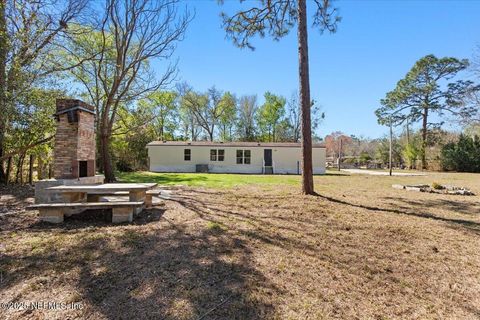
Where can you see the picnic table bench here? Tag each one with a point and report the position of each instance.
(94, 196)
(122, 211)
(83, 197)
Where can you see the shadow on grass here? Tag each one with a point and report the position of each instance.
(456, 205)
(89, 219)
(334, 174)
(469, 225)
(210, 210)
(165, 273)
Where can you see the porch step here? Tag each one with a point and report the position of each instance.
(268, 170)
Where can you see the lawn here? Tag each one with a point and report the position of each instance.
(253, 247)
(207, 179)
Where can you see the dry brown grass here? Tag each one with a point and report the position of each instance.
(359, 250)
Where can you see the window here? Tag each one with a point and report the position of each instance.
(243, 156)
(217, 155)
(246, 156)
(187, 154)
(239, 156)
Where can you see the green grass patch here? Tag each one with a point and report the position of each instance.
(216, 226)
(209, 180)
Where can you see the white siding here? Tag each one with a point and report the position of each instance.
(286, 160)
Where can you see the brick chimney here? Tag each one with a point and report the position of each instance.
(74, 153)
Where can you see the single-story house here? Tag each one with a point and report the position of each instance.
(231, 157)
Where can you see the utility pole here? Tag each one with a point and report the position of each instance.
(340, 153)
(390, 153)
(408, 133)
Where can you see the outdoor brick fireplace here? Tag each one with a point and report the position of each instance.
(74, 151)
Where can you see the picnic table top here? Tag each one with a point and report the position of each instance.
(105, 187)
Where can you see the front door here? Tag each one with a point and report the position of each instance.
(267, 156)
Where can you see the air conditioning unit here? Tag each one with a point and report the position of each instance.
(201, 168)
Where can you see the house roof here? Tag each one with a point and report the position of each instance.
(231, 144)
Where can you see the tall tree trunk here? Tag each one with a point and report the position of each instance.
(105, 126)
(162, 130)
(9, 169)
(424, 138)
(40, 168)
(19, 174)
(307, 170)
(410, 163)
(3, 85)
(106, 156)
(30, 169)
(210, 133)
(21, 169)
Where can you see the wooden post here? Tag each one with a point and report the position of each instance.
(340, 154)
(30, 170)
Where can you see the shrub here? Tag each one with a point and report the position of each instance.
(437, 186)
(411, 154)
(462, 156)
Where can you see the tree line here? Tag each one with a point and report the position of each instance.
(103, 51)
(446, 150)
(213, 115)
(435, 90)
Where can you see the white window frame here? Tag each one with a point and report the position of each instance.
(189, 154)
(243, 157)
(216, 156)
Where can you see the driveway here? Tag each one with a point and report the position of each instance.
(382, 173)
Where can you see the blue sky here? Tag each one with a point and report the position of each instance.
(350, 71)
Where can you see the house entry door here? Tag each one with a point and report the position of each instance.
(267, 156)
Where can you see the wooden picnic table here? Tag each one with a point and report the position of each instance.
(78, 193)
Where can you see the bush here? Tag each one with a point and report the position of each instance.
(437, 186)
(124, 166)
(364, 158)
(411, 153)
(462, 156)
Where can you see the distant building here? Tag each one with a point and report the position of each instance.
(231, 157)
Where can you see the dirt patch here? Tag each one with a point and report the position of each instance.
(359, 250)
